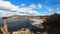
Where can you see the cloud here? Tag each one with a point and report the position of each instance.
(58, 12)
(22, 5)
(49, 9)
(32, 6)
(8, 9)
(29, 11)
(4, 13)
(39, 5)
(6, 5)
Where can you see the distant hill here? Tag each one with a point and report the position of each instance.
(25, 16)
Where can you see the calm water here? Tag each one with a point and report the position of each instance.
(16, 24)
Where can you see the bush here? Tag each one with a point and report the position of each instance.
(52, 24)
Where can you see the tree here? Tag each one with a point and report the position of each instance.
(53, 23)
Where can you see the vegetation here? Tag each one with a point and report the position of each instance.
(52, 24)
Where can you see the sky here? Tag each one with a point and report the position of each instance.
(29, 7)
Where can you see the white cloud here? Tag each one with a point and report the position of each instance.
(49, 9)
(39, 5)
(32, 6)
(29, 11)
(6, 5)
(58, 12)
(5, 13)
(7, 9)
(22, 5)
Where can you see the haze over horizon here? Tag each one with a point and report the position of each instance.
(29, 7)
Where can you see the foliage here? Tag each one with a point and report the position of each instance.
(52, 22)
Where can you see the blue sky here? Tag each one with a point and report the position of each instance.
(29, 7)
